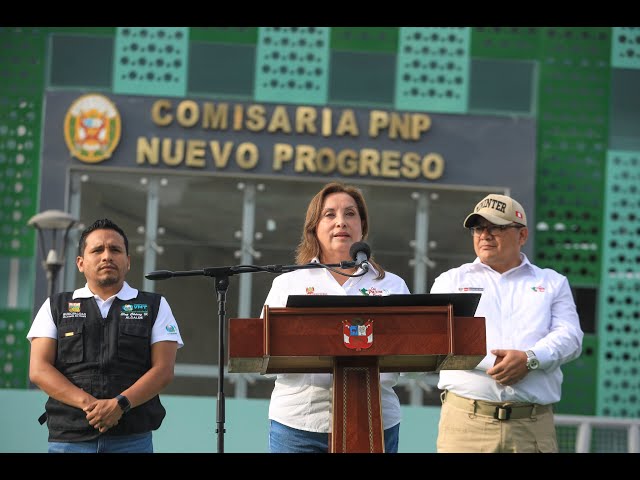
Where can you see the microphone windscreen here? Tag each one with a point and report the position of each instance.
(359, 247)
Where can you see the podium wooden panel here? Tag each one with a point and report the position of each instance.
(312, 340)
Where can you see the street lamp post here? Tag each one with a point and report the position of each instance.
(58, 224)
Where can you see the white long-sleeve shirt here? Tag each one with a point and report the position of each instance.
(525, 308)
(303, 401)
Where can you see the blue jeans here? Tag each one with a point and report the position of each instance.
(137, 443)
(283, 439)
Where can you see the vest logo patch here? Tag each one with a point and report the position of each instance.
(134, 311)
(135, 307)
(73, 311)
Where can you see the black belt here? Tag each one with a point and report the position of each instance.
(499, 411)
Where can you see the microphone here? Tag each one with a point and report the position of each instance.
(159, 275)
(360, 253)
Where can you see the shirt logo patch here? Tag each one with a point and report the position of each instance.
(470, 289)
(373, 292)
(539, 288)
(312, 291)
(171, 329)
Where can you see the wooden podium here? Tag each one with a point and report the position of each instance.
(356, 343)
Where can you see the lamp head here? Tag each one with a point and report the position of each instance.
(52, 248)
(52, 220)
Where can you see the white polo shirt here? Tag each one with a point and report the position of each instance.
(525, 308)
(303, 401)
(164, 328)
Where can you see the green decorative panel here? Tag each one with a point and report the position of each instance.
(587, 44)
(22, 54)
(625, 47)
(17, 275)
(14, 348)
(433, 69)
(151, 61)
(223, 70)
(365, 39)
(572, 144)
(619, 312)
(624, 104)
(242, 35)
(106, 31)
(505, 42)
(502, 87)
(351, 70)
(292, 65)
(578, 386)
(81, 61)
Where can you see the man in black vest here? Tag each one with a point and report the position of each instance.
(103, 353)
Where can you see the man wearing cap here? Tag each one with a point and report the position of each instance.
(532, 328)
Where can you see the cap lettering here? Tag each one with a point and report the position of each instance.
(492, 203)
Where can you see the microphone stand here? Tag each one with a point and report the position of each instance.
(221, 276)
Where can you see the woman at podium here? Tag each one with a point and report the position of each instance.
(300, 410)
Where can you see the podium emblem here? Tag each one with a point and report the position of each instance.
(357, 333)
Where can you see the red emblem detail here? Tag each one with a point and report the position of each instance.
(357, 333)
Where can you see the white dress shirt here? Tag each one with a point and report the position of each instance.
(303, 401)
(525, 308)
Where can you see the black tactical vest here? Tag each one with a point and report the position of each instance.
(103, 357)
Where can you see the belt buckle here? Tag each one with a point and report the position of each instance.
(502, 413)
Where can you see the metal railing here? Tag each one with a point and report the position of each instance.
(590, 434)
